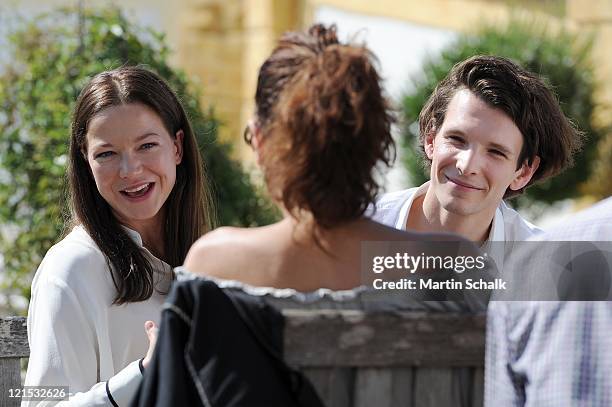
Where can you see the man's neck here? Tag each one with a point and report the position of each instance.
(427, 215)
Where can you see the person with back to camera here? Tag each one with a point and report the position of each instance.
(138, 201)
(320, 128)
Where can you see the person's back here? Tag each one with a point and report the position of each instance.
(283, 256)
(321, 127)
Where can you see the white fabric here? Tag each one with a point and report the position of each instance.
(553, 353)
(592, 224)
(77, 338)
(392, 209)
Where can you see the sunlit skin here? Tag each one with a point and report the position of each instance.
(133, 160)
(474, 160)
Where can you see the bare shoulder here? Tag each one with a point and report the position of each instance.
(222, 253)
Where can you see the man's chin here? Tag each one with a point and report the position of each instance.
(460, 208)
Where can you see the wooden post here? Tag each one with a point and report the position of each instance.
(13, 347)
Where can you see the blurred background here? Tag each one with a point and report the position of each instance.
(210, 52)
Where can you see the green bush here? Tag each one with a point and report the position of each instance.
(563, 60)
(51, 58)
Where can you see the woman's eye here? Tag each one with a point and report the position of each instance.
(456, 139)
(104, 154)
(147, 146)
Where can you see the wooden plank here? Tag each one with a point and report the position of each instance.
(402, 394)
(373, 387)
(383, 387)
(478, 389)
(433, 387)
(13, 338)
(318, 338)
(10, 378)
(462, 378)
(334, 385)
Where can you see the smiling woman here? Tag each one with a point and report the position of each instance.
(138, 201)
(133, 160)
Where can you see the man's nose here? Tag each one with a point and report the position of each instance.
(468, 161)
(130, 165)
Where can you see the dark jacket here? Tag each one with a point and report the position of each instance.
(221, 348)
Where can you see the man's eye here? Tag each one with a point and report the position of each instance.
(498, 153)
(104, 154)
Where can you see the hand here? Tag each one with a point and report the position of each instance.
(151, 329)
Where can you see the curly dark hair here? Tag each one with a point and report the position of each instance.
(326, 125)
(524, 98)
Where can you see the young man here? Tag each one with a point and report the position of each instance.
(489, 130)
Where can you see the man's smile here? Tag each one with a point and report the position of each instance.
(463, 184)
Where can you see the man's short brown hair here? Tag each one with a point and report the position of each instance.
(524, 97)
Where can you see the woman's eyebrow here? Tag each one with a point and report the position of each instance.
(145, 135)
(139, 138)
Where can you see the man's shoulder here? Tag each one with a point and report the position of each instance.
(388, 206)
(516, 227)
(394, 199)
(593, 223)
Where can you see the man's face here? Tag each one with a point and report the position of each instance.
(474, 157)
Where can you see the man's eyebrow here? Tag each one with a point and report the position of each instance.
(500, 147)
(452, 130)
(494, 145)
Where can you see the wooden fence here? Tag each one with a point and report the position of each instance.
(354, 358)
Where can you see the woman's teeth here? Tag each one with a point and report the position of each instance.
(140, 188)
(139, 191)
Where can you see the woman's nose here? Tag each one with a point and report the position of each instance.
(129, 165)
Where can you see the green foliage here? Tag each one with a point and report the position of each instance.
(562, 59)
(52, 58)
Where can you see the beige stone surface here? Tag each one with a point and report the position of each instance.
(590, 10)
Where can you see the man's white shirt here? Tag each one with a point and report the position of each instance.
(392, 209)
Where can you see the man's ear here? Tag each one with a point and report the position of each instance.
(524, 174)
(178, 146)
(428, 144)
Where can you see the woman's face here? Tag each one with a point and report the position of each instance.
(133, 160)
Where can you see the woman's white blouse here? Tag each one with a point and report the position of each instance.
(77, 337)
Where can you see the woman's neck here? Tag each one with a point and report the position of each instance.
(151, 232)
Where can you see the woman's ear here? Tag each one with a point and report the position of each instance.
(256, 140)
(178, 146)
